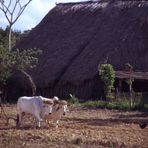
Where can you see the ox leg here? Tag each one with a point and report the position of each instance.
(19, 119)
(57, 123)
(38, 120)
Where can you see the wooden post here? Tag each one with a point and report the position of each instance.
(130, 89)
(120, 85)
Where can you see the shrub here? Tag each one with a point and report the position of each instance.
(123, 104)
(94, 104)
(107, 75)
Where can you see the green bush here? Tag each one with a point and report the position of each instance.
(107, 75)
(123, 104)
(94, 104)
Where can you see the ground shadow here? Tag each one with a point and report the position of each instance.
(105, 122)
(137, 116)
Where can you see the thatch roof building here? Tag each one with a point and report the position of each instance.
(77, 37)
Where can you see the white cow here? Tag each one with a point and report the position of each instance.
(36, 105)
(58, 110)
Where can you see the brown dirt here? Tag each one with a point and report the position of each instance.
(83, 128)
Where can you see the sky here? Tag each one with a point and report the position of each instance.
(33, 14)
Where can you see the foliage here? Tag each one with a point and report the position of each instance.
(122, 104)
(16, 36)
(3, 38)
(16, 60)
(94, 104)
(73, 99)
(129, 68)
(26, 59)
(6, 62)
(107, 74)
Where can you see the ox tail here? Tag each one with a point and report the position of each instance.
(17, 120)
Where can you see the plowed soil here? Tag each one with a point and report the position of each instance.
(81, 127)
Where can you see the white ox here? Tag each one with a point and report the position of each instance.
(58, 110)
(38, 106)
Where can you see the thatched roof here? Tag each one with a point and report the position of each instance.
(77, 37)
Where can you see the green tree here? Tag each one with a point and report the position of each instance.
(6, 62)
(107, 75)
(16, 36)
(18, 60)
(3, 37)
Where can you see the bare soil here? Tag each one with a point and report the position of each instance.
(81, 127)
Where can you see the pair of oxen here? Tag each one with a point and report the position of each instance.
(41, 108)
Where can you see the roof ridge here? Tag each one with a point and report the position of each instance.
(81, 2)
(97, 1)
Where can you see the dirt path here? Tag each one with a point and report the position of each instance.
(82, 128)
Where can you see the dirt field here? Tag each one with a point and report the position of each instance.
(80, 128)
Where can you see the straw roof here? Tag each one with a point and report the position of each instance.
(77, 37)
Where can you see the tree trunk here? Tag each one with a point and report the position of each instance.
(33, 86)
(10, 36)
(131, 96)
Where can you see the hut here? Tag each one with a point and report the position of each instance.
(77, 37)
